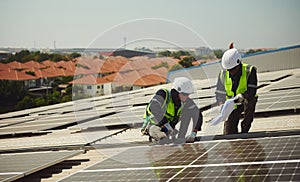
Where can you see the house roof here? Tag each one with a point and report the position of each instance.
(89, 80)
(11, 74)
(144, 77)
(41, 73)
(150, 80)
(34, 64)
(121, 70)
(69, 65)
(59, 71)
(139, 71)
(49, 63)
(17, 65)
(3, 66)
(109, 53)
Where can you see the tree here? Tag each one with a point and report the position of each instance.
(25, 103)
(187, 61)
(176, 67)
(162, 64)
(74, 55)
(218, 53)
(180, 53)
(40, 101)
(164, 54)
(251, 51)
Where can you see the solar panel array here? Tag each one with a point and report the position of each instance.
(268, 159)
(127, 108)
(88, 122)
(17, 165)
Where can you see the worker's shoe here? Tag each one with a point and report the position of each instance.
(191, 137)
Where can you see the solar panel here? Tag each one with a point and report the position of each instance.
(271, 76)
(290, 82)
(58, 139)
(269, 101)
(123, 118)
(13, 121)
(15, 166)
(45, 110)
(52, 121)
(278, 100)
(267, 159)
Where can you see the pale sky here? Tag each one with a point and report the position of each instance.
(149, 23)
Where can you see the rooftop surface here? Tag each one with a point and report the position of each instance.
(99, 138)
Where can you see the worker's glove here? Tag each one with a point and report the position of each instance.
(156, 133)
(239, 98)
(167, 128)
(191, 137)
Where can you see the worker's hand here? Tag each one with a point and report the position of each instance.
(220, 107)
(144, 131)
(239, 98)
(191, 137)
(168, 129)
(156, 133)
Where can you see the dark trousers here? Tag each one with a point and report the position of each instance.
(231, 125)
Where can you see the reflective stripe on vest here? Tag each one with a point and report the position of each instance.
(168, 107)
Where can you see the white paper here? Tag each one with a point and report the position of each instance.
(228, 107)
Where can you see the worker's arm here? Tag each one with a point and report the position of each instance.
(251, 84)
(220, 92)
(192, 110)
(156, 107)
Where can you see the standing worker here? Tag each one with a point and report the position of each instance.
(169, 107)
(237, 80)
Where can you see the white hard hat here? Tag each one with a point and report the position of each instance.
(183, 85)
(231, 58)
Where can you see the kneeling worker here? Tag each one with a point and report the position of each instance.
(167, 108)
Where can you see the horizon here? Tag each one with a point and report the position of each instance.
(61, 24)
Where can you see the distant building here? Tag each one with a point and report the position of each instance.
(4, 55)
(92, 85)
(133, 53)
(201, 51)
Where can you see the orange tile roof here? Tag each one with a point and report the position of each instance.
(59, 71)
(113, 77)
(11, 74)
(93, 66)
(69, 65)
(34, 64)
(62, 68)
(49, 63)
(150, 80)
(3, 66)
(86, 66)
(41, 73)
(17, 65)
(123, 71)
(141, 77)
(90, 80)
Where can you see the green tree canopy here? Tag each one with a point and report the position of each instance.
(25, 55)
(218, 53)
(251, 51)
(187, 61)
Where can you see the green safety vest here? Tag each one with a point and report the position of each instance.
(242, 87)
(169, 108)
